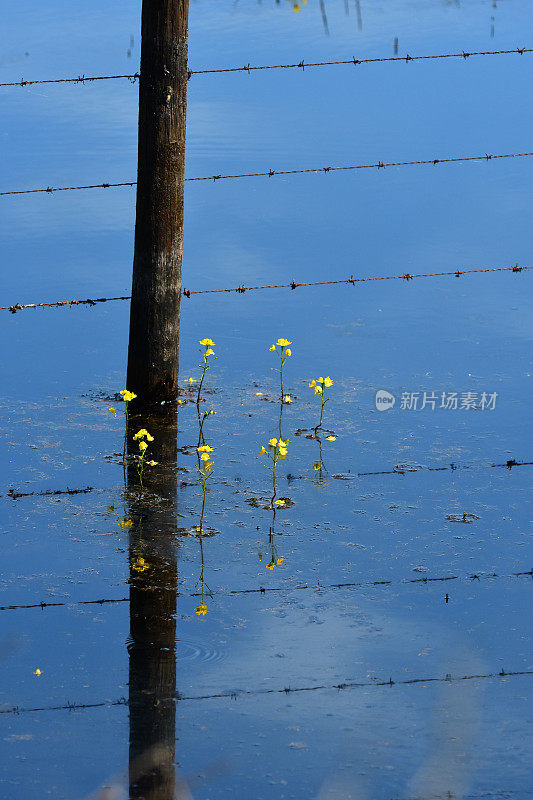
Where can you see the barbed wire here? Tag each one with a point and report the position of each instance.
(476, 576)
(272, 172)
(82, 79)
(292, 285)
(234, 695)
(13, 495)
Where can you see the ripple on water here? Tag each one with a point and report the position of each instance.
(187, 650)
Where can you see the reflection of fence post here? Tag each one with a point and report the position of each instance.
(152, 643)
(156, 288)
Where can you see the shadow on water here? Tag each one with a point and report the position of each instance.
(152, 642)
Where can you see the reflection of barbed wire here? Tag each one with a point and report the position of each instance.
(82, 79)
(299, 587)
(122, 701)
(292, 285)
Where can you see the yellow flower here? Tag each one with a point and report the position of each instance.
(181, 402)
(113, 411)
(192, 380)
(270, 565)
(279, 562)
(287, 399)
(37, 671)
(152, 463)
(319, 390)
(211, 412)
(141, 434)
(140, 565)
(273, 347)
(125, 523)
(127, 396)
(143, 446)
(288, 352)
(207, 342)
(208, 467)
(283, 342)
(262, 451)
(331, 438)
(205, 449)
(205, 457)
(209, 352)
(320, 380)
(313, 383)
(296, 8)
(282, 451)
(281, 443)
(328, 382)
(201, 610)
(280, 502)
(272, 442)
(317, 465)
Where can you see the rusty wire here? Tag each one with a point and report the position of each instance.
(82, 79)
(272, 172)
(293, 285)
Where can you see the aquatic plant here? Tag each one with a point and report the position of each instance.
(205, 469)
(320, 385)
(140, 437)
(206, 354)
(275, 451)
(284, 353)
(127, 397)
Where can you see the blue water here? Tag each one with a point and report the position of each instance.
(381, 533)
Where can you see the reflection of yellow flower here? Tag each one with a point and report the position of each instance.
(127, 395)
(288, 352)
(207, 342)
(152, 463)
(280, 502)
(279, 562)
(273, 347)
(287, 399)
(125, 523)
(317, 465)
(140, 565)
(331, 438)
(328, 382)
(202, 609)
(37, 671)
(192, 380)
(270, 565)
(283, 342)
(142, 446)
(272, 442)
(113, 411)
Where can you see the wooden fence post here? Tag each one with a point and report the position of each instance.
(153, 352)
